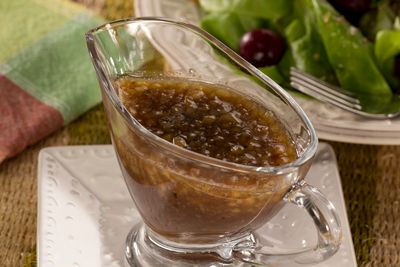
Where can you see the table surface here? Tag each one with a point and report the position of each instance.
(370, 177)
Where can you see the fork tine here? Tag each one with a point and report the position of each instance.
(308, 88)
(302, 81)
(320, 97)
(330, 89)
(319, 81)
(324, 97)
(325, 92)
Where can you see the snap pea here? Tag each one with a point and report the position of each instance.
(387, 48)
(349, 53)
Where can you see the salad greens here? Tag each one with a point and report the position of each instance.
(227, 27)
(306, 45)
(319, 40)
(266, 9)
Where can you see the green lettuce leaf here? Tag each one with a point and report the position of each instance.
(306, 45)
(227, 27)
(266, 9)
(216, 5)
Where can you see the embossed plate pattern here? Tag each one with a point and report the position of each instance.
(330, 122)
(85, 211)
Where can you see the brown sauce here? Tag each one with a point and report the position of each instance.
(180, 198)
(208, 119)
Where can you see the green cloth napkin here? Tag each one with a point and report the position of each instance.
(46, 77)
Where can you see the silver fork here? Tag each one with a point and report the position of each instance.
(338, 97)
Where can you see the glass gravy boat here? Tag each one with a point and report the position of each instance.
(196, 210)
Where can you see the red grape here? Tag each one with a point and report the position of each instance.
(262, 47)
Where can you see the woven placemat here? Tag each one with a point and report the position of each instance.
(370, 177)
(371, 183)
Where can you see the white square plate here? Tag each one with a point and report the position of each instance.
(85, 211)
